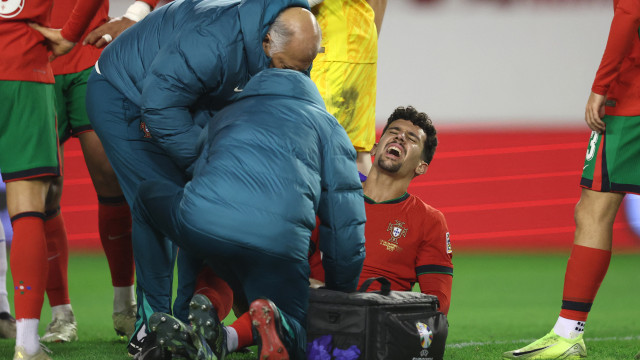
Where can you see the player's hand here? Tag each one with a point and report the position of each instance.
(104, 34)
(54, 40)
(594, 112)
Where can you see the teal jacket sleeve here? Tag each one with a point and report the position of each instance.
(341, 212)
(189, 66)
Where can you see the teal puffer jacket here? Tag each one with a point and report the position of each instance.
(272, 161)
(188, 57)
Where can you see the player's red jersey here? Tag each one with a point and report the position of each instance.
(407, 241)
(24, 54)
(618, 76)
(82, 56)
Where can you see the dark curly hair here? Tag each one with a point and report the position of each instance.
(421, 120)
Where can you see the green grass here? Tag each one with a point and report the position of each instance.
(499, 302)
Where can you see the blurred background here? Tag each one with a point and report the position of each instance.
(505, 82)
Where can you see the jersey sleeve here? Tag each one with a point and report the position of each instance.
(152, 3)
(624, 29)
(80, 17)
(185, 69)
(438, 285)
(434, 268)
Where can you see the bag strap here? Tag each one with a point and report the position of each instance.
(385, 285)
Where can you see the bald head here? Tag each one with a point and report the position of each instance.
(293, 40)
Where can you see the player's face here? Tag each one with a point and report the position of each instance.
(400, 149)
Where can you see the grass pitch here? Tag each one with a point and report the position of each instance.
(499, 303)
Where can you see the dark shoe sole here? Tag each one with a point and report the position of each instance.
(173, 335)
(266, 319)
(206, 325)
(203, 317)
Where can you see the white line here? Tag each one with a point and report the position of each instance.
(480, 343)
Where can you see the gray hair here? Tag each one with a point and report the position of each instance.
(280, 35)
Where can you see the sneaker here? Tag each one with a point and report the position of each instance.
(551, 346)
(207, 326)
(61, 330)
(7, 326)
(42, 354)
(124, 322)
(174, 336)
(265, 318)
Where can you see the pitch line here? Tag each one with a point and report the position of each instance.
(496, 178)
(527, 232)
(511, 150)
(509, 205)
(504, 342)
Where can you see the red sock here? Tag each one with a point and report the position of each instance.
(216, 290)
(244, 329)
(114, 224)
(58, 255)
(28, 263)
(586, 269)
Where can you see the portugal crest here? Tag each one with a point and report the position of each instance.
(396, 230)
(10, 8)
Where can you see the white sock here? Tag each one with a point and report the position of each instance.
(4, 296)
(232, 338)
(27, 335)
(123, 298)
(142, 332)
(62, 312)
(569, 329)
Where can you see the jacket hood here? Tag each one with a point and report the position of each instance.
(283, 82)
(255, 18)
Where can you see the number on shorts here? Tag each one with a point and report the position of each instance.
(592, 145)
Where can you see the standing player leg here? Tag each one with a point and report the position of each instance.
(29, 126)
(114, 224)
(589, 260)
(610, 170)
(25, 201)
(586, 268)
(63, 326)
(114, 218)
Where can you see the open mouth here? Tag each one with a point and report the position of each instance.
(394, 150)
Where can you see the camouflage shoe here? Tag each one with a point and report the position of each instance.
(174, 336)
(206, 324)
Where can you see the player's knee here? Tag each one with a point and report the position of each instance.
(586, 214)
(105, 180)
